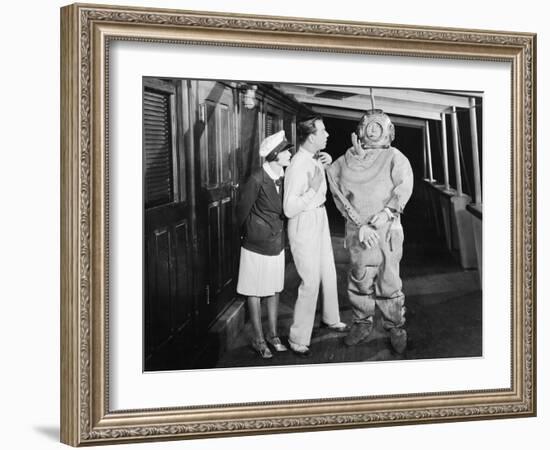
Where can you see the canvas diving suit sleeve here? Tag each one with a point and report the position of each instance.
(402, 177)
(342, 203)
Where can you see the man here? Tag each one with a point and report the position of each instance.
(371, 184)
(309, 235)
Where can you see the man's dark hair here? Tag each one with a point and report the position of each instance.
(305, 127)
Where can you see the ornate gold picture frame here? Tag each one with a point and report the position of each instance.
(87, 32)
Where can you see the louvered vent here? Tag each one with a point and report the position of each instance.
(159, 180)
(270, 124)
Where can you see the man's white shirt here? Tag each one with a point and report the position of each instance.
(299, 196)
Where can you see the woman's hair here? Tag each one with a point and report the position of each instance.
(305, 127)
(273, 156)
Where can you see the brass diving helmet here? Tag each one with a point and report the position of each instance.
(375, 130)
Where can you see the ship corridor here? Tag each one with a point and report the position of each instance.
(443, 301)
(442, 290)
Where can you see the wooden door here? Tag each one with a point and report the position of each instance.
(219, 235)
(168, 308)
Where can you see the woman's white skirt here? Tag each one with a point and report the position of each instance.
(260, 275)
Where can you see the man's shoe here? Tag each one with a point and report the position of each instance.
(276, 343)
(398, 339)
(300, 350)
(262, 349)
(359, 332)
(339, 327)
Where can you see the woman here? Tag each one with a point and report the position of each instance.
(262, 263)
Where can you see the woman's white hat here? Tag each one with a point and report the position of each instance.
(275, 143)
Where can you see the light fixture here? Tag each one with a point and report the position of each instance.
(249, 99)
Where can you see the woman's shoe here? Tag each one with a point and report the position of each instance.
(262, 349)
(276, 343)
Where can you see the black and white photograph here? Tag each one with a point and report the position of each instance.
(294, 224)
(275, 225)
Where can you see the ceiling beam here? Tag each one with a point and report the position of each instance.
(402, 94)
(388, 106)
(352, 114)
(407, 95)
(477, 94)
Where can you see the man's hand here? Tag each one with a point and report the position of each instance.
(325, 159)
(314, 181)
(368, 236)
(379, 220)
(356, 145)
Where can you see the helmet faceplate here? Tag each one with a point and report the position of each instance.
(375, 130)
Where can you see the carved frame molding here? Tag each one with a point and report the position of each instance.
(86, 32)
